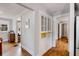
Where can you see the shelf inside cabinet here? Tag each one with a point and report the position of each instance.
(45, 34)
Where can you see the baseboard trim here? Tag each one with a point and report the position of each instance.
(25, 52)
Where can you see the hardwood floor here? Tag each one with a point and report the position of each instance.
(13, 49)
(61, 48)
(24, 52)
(56, 52)
(77, 52)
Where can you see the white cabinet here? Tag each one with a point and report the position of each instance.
(49, 24)
(43, 22)
(46, 25)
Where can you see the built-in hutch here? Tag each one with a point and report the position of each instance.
(46, 25)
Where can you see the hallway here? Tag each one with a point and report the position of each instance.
(36, 26)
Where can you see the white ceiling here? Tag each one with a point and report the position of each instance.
(11, 9)
(51, 8)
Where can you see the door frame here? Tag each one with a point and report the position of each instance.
(75, 36)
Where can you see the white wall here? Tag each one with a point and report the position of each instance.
(45, 44)
(31, 37)
(28, 38)
(14, 21)
(31, 40)
(71, 30)
(42, 45)
(4, 34)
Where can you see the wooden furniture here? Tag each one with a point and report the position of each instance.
(0, 46)
(11, 37)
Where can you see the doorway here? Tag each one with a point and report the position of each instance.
(10, 28)
(62, 29)
(76, 37)
(18, 30)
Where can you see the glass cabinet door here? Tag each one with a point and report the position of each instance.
(45, 24)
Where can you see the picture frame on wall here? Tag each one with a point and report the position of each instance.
(3, 27)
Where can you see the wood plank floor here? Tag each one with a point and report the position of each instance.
(56, 52)
(24, 52)
(13, 49)
(61, 48)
